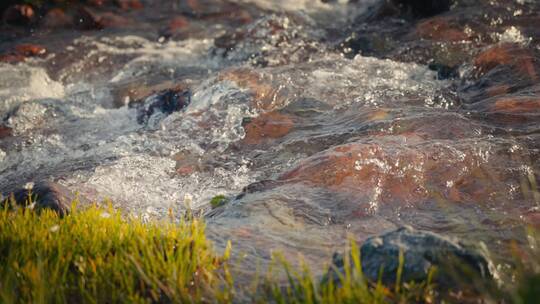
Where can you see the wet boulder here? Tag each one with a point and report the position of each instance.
(521, 112)
(520, 59)
(514, 105)
(43, 195)
(407, 170)
(422, 251)
(503, 69)
(165, 102)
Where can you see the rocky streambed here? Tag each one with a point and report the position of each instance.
(316, 120)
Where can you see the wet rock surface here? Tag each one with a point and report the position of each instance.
(319, 119)
(418, 253)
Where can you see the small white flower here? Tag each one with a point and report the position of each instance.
(105, 215)
(54, 228)
(29, 186)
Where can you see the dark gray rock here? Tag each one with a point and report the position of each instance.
(421, 251)
(423, 8)
(43, 195)
(166, 102)
(407, 9)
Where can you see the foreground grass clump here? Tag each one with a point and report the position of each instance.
(96, 256)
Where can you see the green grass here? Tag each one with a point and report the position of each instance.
(98, 256)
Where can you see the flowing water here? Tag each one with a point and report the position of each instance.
(328, 145)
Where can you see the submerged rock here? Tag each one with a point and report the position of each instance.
(405, 170)
(267, 126)
(43, 195)
(520, 59)
(421, 252)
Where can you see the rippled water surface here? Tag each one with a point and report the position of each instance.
(310, 142)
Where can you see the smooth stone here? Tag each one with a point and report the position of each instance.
(422, 250)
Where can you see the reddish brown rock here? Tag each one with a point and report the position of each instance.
(517, 105)
(515, 110)
(11, 58)
(178, 23)
(21, 14)
(21, 52)
(129, 4)
(111, 20)
(440, 29)
(266, 95)
(400, 170)
(30, 50)
(519, 59)
(267, 126)
(5, 131)
(497, 90)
